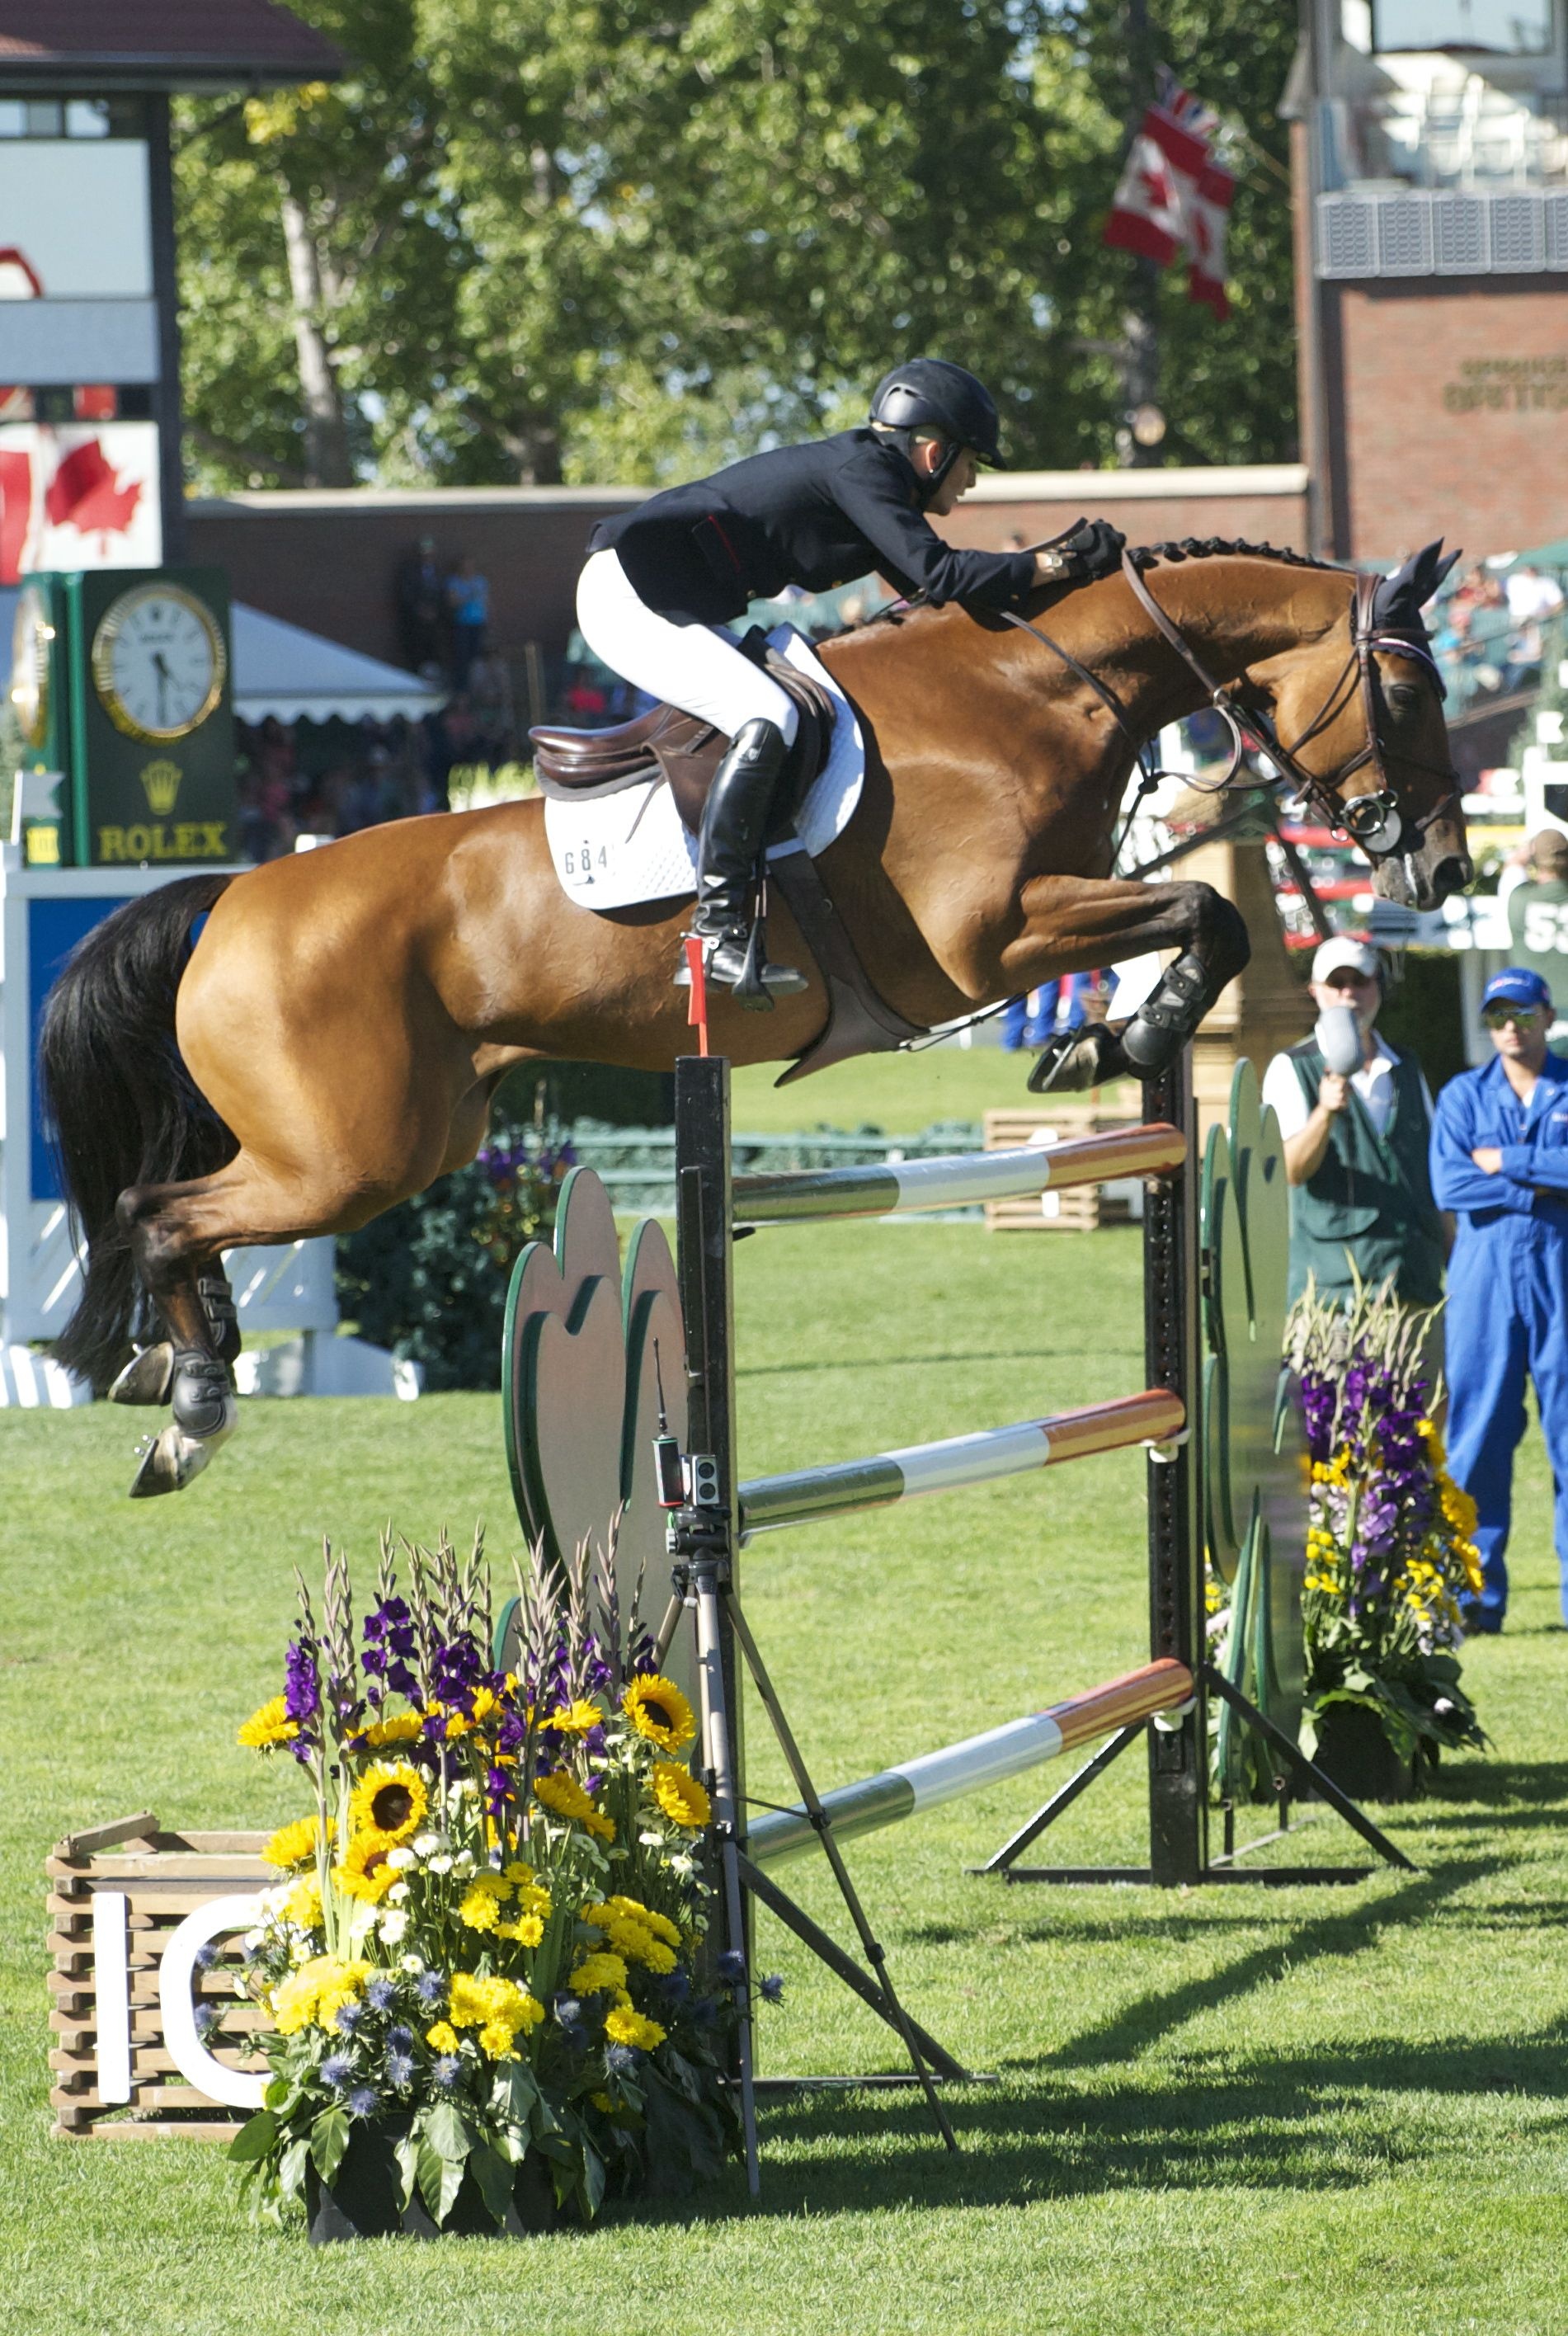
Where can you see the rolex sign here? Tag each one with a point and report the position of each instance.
(134, 677)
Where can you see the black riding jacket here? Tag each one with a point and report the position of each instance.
(814, 516)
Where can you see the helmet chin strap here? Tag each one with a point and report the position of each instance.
(932, 481)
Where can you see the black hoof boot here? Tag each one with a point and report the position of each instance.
(1167, 1019)
(222, 1318)
(1073, 1060)
(205, 1410)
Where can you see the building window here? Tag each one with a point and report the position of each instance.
(72, 117)
(1497, 28)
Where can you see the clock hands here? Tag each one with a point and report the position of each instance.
(161, 667)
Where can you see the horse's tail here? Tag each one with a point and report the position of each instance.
(120, 1107)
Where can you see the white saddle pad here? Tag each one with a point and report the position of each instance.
(630, 847)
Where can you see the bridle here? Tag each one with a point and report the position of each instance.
(1373, 819)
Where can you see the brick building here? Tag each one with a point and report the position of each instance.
(1430, 152)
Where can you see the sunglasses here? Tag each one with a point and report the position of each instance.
(1497, 1018)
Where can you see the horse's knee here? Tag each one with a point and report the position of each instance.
(1217, 929)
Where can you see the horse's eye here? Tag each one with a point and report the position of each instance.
(1403, 696)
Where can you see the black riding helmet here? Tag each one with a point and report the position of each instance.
(929, 393)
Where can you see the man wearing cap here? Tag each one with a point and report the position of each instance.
(1356, 1148)
(1500, 1162)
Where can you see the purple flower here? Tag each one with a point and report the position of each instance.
(457, 1671)
(381, 1994)
(205, 1957)
(400, 2070)
(389, 1648)
(400, 2040)
(430, 1986)
(206, 2016)
(498, 1789)
(364, 2100)
(772, 1988)
(732, 1966)
(301, 1682)
(446, 2069)
(349, 2016)
(336, 2070)
(619, 2060)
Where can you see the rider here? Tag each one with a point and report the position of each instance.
(662, 581)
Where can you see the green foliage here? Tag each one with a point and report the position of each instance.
(562, 237)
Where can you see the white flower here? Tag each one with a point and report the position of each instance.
(401, 1858)
(410, 1963)
(463, 1863)
(442, 1864)
(393, 1925)
(253, 1941)
(427, 1843)
(651, 1840)
(1443, 1706)
(398, 1894)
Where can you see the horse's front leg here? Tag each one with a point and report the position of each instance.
(1073, 923)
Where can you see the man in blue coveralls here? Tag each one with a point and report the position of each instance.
(1500, 1162)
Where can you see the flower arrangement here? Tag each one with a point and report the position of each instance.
(1390, 1552)
(489, 1938)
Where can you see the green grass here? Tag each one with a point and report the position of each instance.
(899, 1094)
(1234, 2112)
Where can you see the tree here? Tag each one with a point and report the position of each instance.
(599, 239)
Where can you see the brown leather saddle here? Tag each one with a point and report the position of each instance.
(577, 765)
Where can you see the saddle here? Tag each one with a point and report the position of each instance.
(574, 766)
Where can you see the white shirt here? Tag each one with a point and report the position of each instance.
(1374, 1083)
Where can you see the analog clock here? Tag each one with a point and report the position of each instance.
(31, 637)
(158, 662)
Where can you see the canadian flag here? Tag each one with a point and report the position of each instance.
(1173, 197)
(1149, 210)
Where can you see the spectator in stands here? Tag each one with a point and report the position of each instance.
(1500, 1162)
(421, 608)
(1356, 1148)
(468, 605)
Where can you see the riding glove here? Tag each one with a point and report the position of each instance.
(1094, 550)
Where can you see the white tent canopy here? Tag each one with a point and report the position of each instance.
(280, 668)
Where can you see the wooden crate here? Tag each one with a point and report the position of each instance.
(1081, 1208)
(163, 1877)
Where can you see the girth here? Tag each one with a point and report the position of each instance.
(681, 748)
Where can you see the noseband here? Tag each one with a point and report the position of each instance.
(1372, 819)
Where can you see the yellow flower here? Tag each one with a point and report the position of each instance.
(480, 1905)
(313, 1995)
(657, 1709)
(292, 1844)
(599, 1975)
(659, 1924)
(577, 1718)
(402, 1727)
(624, 2027)
(679, 1795)
(441, 2038)
(565, 1797)
(303, 1904)
(390, 1800)
(268, 1727)
(363, 1871)
(498, 2008)
(527, 1931)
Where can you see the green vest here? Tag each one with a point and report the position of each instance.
(1538, 927)
(1370, 1194)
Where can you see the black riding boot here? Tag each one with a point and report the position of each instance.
(735, 822)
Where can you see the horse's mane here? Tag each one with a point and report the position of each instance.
(1217, 547)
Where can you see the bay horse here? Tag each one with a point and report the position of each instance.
(330, 1044)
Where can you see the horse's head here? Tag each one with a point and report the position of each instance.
(1360, 720)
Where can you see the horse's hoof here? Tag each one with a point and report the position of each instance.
(1076, 1059)
(169, 1460)
(146, 1378)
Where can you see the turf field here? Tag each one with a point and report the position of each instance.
(1230, 2113)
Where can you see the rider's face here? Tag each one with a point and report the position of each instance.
(929, 455)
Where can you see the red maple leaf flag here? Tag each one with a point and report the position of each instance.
(82, 494)
(16, 508)
(1148, 210)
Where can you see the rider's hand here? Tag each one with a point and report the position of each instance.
(1334, 1091)
(1091, 551)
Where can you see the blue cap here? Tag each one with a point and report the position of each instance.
(1515, 986)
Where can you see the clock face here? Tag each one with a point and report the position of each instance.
(158, 662)
(30, 641)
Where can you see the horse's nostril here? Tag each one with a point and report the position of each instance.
(1453, 874)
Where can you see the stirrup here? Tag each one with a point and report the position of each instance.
(738, 959)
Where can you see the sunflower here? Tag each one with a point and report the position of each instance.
(363, 1871)
(564, 1796)
(268, 1727)
(682, 1799)
(390, 1801)
(657, 1709)
(295, 1845)
(402, 1727)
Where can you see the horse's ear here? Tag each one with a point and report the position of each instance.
(1399, 598)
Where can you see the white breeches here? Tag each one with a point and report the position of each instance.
(694, 666)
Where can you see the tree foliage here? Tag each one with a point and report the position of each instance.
(613, 239)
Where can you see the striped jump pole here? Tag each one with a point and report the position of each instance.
(960, 1180)
(840, 1488)
(979, 1760)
